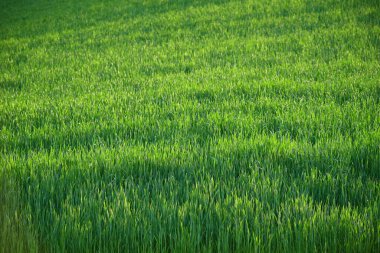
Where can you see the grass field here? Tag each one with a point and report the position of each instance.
(190, 126)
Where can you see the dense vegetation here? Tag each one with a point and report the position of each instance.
(190, 126)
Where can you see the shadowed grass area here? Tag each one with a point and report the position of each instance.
(190, 126)
(16, 229)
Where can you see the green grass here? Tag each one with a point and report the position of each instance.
(190, 126)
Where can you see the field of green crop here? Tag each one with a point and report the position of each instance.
(190, 126)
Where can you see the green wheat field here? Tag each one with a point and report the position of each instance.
(189, 126)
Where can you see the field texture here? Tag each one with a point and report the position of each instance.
(190, 126)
